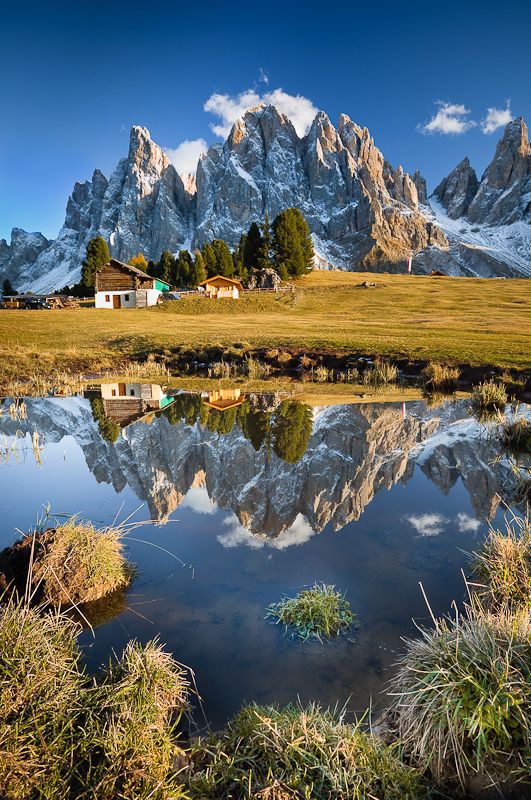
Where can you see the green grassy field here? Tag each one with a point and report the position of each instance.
(460, 320)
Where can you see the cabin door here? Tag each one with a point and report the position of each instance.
(116, 301)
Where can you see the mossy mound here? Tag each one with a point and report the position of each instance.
(71, 564)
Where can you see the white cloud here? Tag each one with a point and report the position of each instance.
(299, 109)
(451, 118)
(185, 156)
(466, 523)
(496, 118)
(428, 524)
(198, 500)
(263, 77)
(298, 533)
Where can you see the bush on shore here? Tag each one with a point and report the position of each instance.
(463, 698)
(65, 736)
(294, 753)
(502, 569)
(440, 377)
(488, 398)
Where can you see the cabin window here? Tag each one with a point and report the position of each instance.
(113, 392)
(126, 298)
(107, 298)
(132, 392)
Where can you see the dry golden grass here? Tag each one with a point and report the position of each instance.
(455, 320)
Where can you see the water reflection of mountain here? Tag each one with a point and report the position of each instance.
(283, 460)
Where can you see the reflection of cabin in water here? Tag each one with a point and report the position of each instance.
(123, 286)
(220, 286)
(222, 399)
(127, 402)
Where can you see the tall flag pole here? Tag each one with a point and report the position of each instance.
(409, 264)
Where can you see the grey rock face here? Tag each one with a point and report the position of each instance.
(360, 211)
(504, 194)
(422, 190)
(456, 192)
(19, 256)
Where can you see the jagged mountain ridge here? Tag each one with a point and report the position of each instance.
(363, 213)
(354, 452)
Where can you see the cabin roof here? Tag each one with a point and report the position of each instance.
(134, 270)
(222, 278)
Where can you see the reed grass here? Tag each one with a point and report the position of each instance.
(381, 373)
(501, 570)
(66, 736)
(298, 752)
(489, 396)
(319, 612)
(440, 377)
(516, 436)
(462, 695)
(140, 700)
(71, 564)
(41, 703)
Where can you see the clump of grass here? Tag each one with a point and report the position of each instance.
(146, 369)
(379, 374)
(502, 569)
(41, 699)
(220, 369)
(319, 612)
(71, 564)
(139, 704)
(516, 436)
(440, 377)
(322, 374)
(256, 369)
(294, 753)
(489, 397)
(463, 698)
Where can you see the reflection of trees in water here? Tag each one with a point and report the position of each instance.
(286, 430)
(109, 429)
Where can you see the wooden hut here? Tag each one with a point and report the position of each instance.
(221, 286)
(123, 286)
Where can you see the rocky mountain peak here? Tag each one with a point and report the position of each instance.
(504, 194)
(458, 189)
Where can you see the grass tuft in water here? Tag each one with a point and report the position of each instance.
(440, 377)
(381, 373)
(319, 612)
(489, 397)
(139, 704)
(298, 752)
(41, 700)
(463, 698)
(71, 564)
(516, 436)
(502, 569)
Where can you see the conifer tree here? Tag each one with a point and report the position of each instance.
(8, 288)
(264, 250)
(224, 262)
(292, 244)
(166, 267)
(199, 268)
(209, 258)
(184, 269)
(97, 255)
(253, 247)
(237, 257)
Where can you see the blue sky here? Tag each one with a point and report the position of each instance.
(74, 77)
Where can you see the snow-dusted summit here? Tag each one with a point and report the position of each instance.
(363, 213)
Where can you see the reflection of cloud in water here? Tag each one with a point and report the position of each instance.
(466, 523)
(198, 500)
(298, 533)
(427, 524)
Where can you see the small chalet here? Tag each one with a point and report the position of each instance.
(220, 286)
(123, 286)
(223, 399)
(127, 402)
